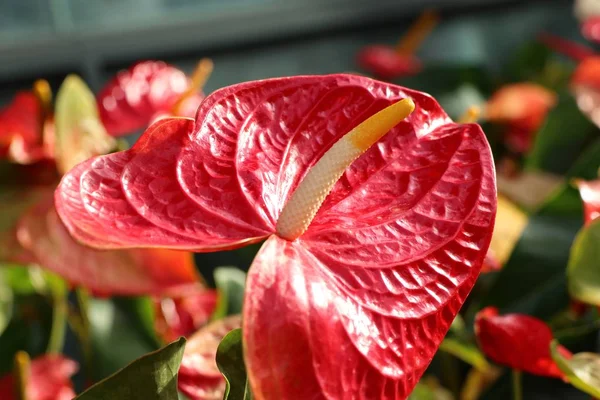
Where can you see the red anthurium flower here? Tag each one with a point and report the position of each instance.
(523, 107)
(490, 263)
(138, 271)
(49, 379)
(354, 290)
(590, 28)
(518, 341)
(388, 62)
(590, 195)
(21, 124)
(585, 80)
(199, 377)
(147, 91)
(185, 313)
(588, 13)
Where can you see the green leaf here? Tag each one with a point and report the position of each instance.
(466, 352)
(79, 133)
(115, 336)
(582, 370)
(230, 283)
(425, 391)
(151, 377)
(566, 200)
(583, 271)
(562, 138)
(6, 303)
(532, 281)
(230, 360)
(140, 311)
(528, 62)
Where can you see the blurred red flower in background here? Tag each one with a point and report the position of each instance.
(49, 378)
(518, 341)
(523, 108)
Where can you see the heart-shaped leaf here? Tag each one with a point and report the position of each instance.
(78, 130)
(230, 283)
(583, 271)
(582, 369)
(230, 359)
(151, 377)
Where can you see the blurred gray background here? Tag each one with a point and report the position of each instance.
(251, 39)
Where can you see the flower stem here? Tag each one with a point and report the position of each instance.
(60, 314)
(517, 381)
(21, 373)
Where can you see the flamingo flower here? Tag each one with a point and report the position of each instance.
(22, 124)
(588, 13)
(518, 341)
(199, 376)
(49, 378)
(388, 62)
(184, 313)
(376, 222)
(590, 195)
(585, 80)
(523, 108)
(149, 90)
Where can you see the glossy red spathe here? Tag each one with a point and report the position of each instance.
(49, 379)
(199, 377)
(144, 92)
(133, 272)
(183, 313)
(21, 123)
(360, 302)
(518, 341)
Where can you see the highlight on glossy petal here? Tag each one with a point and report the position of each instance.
(49, 378)
(78, 129)
(518, 341)
(582, 370)
(304, 203)
(199, 376)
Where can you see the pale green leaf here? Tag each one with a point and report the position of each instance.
(582, 370)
